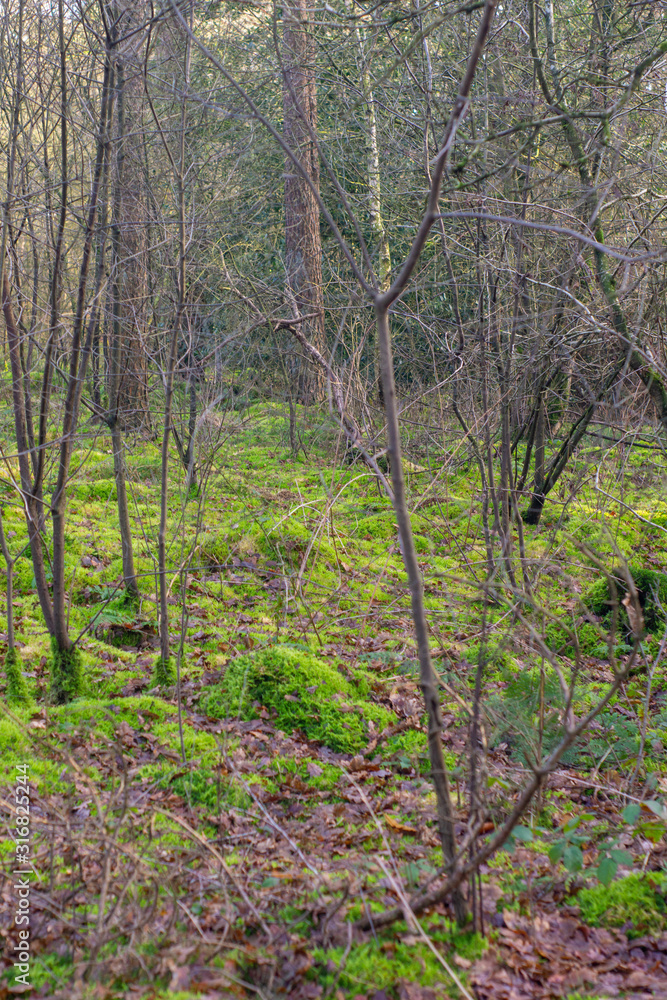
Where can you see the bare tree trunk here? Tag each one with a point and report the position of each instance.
(548, 480)
(116, 360)
(303, 250)
(427, 678)
(164, 671)
(374, 181)
(79, 354)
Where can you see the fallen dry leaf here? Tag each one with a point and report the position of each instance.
(399, 827)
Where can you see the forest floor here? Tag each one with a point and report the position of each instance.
(219, 838)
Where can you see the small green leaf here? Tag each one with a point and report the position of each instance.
(657, 808)
(571, 824)
(557, 851)
(652, 831)
(573, 859)
(522, 833)
(621, 857)
(631, 813)
(606, 871)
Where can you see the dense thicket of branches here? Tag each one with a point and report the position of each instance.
(564, 132)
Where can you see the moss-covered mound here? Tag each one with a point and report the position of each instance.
(651, 590)
(636, 901)
(305, 693)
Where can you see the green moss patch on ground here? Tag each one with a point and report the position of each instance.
(304, 692)
(386, 962)
(636, 903)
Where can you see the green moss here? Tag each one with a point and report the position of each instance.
(24, 576)
(66, 674)
(105, 716)
(423, 544)
(165, 674)
(411, 745)
(12, 739)
(638, 900)
(213, 550)
(495, 654)
(101, 490)
(590, 638)
(100, 466)
(305, 692)
(328, 781)
(381, 963)
(17, 689)
(16, 748)
(651, 590)
(379, 526)
(286, 537)
(323, 777)
(198, 745)
(201, 787)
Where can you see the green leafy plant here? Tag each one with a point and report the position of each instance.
(515, 713)
(649, 819)
(568, 848)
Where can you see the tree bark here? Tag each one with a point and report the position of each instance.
(117, 412)
(303, 250)
(164, 672)
(374, 181)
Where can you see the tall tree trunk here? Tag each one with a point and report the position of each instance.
(117, 412)
(164, 672)
(303, 250)
(133, 402)
(374, 182)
